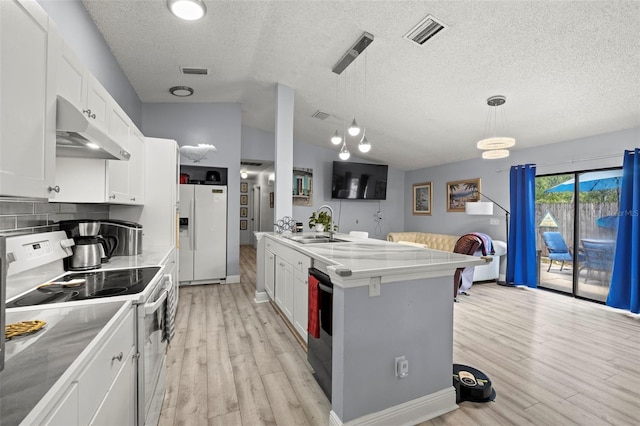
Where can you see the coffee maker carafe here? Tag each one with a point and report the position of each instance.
(91, 249)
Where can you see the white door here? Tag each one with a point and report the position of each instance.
(210, 237)
(255, 214)
(186, 231)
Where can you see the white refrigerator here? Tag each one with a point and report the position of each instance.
(203, 234)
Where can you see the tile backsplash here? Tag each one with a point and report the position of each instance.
(21, 215)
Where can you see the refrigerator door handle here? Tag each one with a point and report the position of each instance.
(195, 226)
(192, 224)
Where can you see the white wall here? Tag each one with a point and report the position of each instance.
(214, 123)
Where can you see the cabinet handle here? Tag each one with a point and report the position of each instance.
(281, 264)
(133, 199)
(55, 189)
(118, 357)
(88, 112)
(112, 196)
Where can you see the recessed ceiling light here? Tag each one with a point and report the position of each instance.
(181, 91)
(189, 10)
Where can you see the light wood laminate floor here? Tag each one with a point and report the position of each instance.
(553, 360)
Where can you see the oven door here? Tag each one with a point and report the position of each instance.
(152, 347)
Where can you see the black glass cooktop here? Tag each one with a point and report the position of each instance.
(88, 285)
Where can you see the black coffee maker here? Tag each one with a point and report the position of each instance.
(91, 250)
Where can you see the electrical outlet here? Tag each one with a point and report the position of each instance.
(374, 286)
(402, 367)
(494, 221)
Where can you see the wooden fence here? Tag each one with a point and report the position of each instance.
(563, 215)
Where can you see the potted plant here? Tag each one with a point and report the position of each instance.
(321, 221)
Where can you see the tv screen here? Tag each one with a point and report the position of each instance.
(359, 181)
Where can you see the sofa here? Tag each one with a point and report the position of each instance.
(444, 242)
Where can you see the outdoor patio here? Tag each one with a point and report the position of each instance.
(559, 280)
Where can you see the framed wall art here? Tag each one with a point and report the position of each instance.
(244, 212)
(244, 200)
(422, 198)
(244, 186)
(460, 192)
(243, 225)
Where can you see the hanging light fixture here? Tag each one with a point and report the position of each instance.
(354, 129)
(364, 146)
(243, 173)
(189, 10)
(493, 142)
(196, 153)
(344, 152)
(336, 139)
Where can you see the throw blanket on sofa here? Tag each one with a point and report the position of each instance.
(487, 243)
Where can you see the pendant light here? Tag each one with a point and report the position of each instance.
(336, 139)
(354, 129)
(364, 146)
(344, 152)
(495, 146)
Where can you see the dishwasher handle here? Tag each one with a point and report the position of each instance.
(325, 288)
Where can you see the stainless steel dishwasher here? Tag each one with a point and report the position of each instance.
(320, 348)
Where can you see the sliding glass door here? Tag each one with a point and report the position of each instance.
(577, 229)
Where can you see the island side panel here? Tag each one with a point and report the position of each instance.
(410, 318)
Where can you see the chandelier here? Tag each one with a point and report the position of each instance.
(495, 146)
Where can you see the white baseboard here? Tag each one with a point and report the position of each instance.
(408, 413)
(261, 297)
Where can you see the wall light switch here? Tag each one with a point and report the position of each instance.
(374, 287)
(494, 221)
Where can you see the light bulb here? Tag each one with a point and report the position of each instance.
(243, 174)
(364, 145)
(336, 139)
(354, 129)
(344, 153)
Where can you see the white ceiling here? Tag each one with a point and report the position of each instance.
(568, 69)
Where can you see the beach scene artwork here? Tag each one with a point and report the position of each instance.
(460, 192)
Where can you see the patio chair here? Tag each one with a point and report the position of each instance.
(558, 249)
(598, 259)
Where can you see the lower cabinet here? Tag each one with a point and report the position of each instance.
(286, 282)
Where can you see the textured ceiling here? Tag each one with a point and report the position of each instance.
(568, 69)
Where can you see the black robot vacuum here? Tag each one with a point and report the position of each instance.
(472, 385)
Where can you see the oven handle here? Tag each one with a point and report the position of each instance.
(151, 308)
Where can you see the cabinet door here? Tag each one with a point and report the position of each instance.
(27, 122)
(118, 406)
(118, 171)
(99, 103)
(71, 77)
(284, 287)
(300, 301)
(136, 167)
(269, 273)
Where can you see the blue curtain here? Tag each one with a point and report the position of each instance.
(521, 247)
(624, 292)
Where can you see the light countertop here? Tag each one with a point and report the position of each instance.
(36, 362)
(367, 257)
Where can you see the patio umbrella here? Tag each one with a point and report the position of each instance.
(592, 181)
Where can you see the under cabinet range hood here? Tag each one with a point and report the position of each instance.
(77, 136)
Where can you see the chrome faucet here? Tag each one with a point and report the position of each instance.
(331, 212)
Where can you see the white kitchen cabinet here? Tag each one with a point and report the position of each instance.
(27, 101)
(118, 171)
(269, 273)
(284, 287)
(136, 167)
(66, 410)
(301, 296)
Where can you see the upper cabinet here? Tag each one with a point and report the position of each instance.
(27, 101)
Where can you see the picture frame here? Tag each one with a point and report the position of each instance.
(422, 198)
(243, 225)
(244, 212)
(271, 196)
(459, 192)
(244, 200)
(244, 186)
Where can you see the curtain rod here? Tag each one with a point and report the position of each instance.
(601, 157)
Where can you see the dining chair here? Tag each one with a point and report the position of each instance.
(598, 259)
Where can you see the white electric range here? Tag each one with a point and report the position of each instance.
(35, 279)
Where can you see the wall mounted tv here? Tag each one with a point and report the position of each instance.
(359, 181)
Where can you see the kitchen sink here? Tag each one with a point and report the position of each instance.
(314, 239)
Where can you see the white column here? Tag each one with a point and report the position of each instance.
(283, 205)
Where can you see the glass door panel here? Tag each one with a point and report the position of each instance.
(555, 210)
(597, 217)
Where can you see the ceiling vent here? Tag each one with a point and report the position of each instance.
(250, 163)
(365, 40)
(320, 115)
(425, 30)
(194, 71)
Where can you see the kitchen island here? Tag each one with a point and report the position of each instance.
(389, 301)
